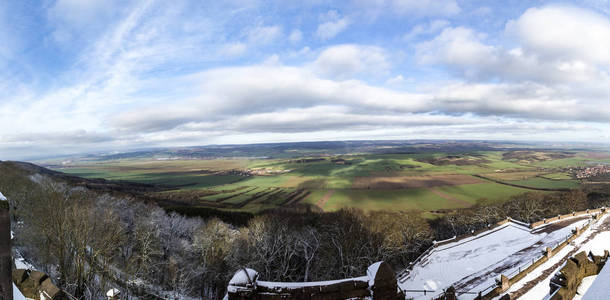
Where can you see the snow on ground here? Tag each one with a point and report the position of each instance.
(472, 264)
(541, 289)
(584, 286)
(21, 263)
(597, 245)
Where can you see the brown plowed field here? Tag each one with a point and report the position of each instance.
(412, 182)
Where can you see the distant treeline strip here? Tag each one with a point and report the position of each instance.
(524, 186)
(231, 217)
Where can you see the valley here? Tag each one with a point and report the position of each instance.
(421, 178)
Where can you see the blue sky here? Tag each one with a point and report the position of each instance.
(104, 75)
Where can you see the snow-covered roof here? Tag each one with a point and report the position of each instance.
(243, 277)
(113, 292)
(476, 257)
(599, 289)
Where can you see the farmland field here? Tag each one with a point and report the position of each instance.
(540, 182)
(425, 181)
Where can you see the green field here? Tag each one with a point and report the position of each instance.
(424, 182)
(539, 182)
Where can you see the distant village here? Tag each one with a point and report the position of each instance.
(587, 172)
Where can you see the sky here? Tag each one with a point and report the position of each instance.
(103, 75)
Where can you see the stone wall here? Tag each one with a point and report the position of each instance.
(565, 283)
(379, 283)
(561, 217)
(36, 285)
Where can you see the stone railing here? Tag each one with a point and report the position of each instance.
(36, 285)
(573, 214)
(379, 283)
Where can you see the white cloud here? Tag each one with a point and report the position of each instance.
(417, 8)
(295, 36)
(426, 7)
(563, 33)
(396, 80)
(300, 54)
(344, 61)
(253, 102)
(229, 95)
(456, 46)
(72, 20)
(425, 29)
(482, 11)
(82, 13)
(467, 52)
(264, 34)
(234, 49)
(272, 60)
(333, 25)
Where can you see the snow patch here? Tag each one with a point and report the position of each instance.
(2, 198)
(372, 272)
(21, 263)
(599, 244)
(17, 295)
(431, 285)
(519, 222)
(584, 286)
(296, 285)
(112, 293)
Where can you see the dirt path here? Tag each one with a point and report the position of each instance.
(460, 202)
(325, 199)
